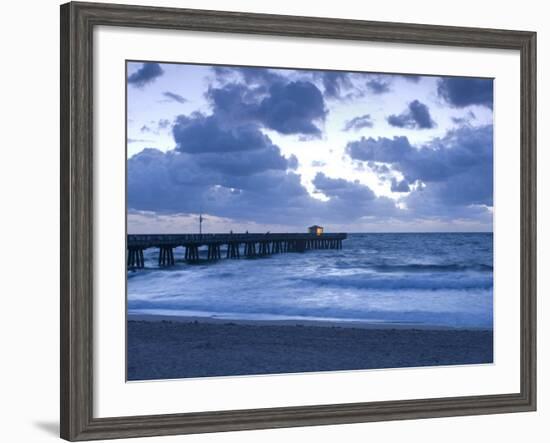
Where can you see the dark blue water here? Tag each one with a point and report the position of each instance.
(424, 279)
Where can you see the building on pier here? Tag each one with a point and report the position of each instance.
(315, 229)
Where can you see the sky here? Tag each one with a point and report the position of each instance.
(272, 149)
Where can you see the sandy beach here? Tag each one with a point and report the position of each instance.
(185, 347)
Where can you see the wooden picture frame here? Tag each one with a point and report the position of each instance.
(77, 23)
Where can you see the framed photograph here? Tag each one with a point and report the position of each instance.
(273, 221)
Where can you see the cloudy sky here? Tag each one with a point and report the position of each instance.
(277, 150)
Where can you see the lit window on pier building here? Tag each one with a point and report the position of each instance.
(317, 230)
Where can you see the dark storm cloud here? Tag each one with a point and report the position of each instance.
(175, 97)
(420, 114)
(465, 120)
(234, 101)
(378, 86)
(222, 72)
(335, 84)
(411, 77)
(175, 182)
(381, 169)
(225, 163)
(200, 133)
(292, 108)
(460, 92)
(382, 149)
(360, 122)
(341, 188)
(399, 186)
(450, 175)
(353, 85)
(456, 170)
(260, 76)
(245, 163)
(163, 123)
(255, 184)
(146, 74)
(231, 150)
(350, 199)
(228, 146)
(417, 116)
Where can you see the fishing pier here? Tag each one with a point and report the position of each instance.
(229, 246)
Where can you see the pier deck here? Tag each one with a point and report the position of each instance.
(234, 246)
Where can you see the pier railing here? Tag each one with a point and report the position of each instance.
(234, 246)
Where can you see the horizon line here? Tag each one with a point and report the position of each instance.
(327, 232)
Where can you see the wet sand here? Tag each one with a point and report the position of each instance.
(184, 347)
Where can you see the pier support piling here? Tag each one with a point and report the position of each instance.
(166, 256)
(191, 253)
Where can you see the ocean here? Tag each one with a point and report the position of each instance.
(428, 279)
